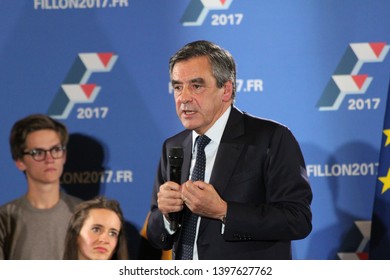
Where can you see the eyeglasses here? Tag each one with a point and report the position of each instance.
(40, 154)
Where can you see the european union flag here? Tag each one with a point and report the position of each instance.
(380, 228)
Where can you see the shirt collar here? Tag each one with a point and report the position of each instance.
(215, 132)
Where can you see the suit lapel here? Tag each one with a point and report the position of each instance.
(187, 153)
(229, 151)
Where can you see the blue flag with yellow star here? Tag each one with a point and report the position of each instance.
(380, 227)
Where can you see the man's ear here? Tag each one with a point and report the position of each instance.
(20, 165)
(228, 91)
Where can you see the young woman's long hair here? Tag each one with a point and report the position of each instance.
(77, 222)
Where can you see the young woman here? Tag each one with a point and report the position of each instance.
(96, 232)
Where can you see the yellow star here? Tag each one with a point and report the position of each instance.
(387, 133)
(385, 181)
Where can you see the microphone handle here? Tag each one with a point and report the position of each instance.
(174, 217)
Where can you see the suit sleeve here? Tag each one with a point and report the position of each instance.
(2, 233)
(4, 226)
(283, 212)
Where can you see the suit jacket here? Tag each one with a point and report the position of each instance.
(260, 172)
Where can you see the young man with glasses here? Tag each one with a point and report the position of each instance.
(34, 225)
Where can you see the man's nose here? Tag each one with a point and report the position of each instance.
(186, 95)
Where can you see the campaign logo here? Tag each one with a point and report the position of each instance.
(197, 10)
(75, 88)
(346, 79)
(361, 233)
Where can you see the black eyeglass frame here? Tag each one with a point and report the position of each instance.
(56, 152)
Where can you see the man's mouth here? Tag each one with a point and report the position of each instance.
(188, 112)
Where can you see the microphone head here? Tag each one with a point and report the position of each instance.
(175, 156)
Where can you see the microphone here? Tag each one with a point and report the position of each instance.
(175, 157)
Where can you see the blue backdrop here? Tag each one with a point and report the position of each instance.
(101, 66)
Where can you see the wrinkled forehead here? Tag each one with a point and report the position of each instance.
(192, 69)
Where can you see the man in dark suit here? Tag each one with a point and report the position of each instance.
(255, 197)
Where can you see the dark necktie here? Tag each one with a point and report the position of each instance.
(186, 246)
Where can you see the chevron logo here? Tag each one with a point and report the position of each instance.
(360, 253)
(197, 10)
(346, 78)
(75, 88)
